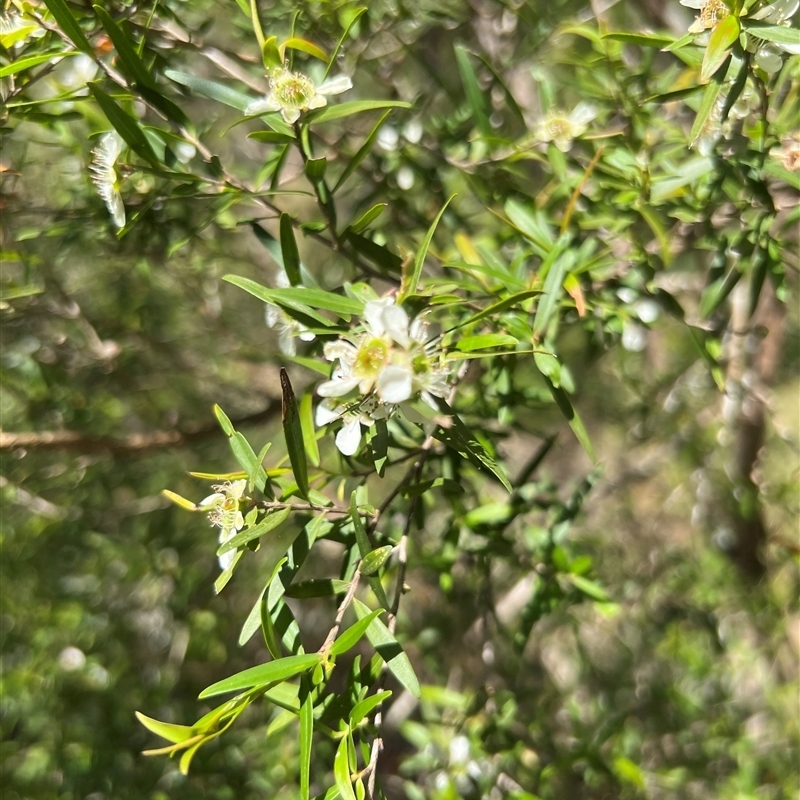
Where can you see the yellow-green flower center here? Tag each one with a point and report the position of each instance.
(559, 128)
(371, 357)
(292, 90)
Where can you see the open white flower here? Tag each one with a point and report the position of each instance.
(711, 12)
(224, 513)
(288, 329)
(562, 128)
(390, 361)
(292, 93)
(104, 175)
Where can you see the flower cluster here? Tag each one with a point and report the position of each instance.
(292, 93)
(224, 513)
(104, 175)
(388, 362)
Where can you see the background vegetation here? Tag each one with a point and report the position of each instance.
(625, 626)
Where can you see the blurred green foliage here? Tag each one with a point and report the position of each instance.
(602, 631)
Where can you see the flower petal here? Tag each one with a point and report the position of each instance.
(262, 106)
(326, 413)
(336, 387)
(291, 115)
(317, 101)
(349, 437)
(395, 323)
(286, 341)
(583, 114)
(373, 314)
(394, 384)
(337, 85)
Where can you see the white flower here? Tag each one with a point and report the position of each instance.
(561, 128)
(224, 513)
(789, 151)
(711, 12)
(291, 93)
(288, 328)
(104, 175)
(389, 362)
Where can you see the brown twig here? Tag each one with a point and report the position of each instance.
(135, 444)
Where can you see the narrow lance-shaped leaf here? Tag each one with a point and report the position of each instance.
(472, 90)
(341, 771)
(67, 22)
(342, 110)
(352, 635)
(307, 426)
(411, 282)
(306, 737)
(293, 433)
(355, 15)
(166, 730)
(291, 257)
(362, 153)
(365, 548)
(125, 125)
(271, 672)
(305, 46)
(723, 37)
(389, 650)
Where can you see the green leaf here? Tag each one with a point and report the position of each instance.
(555, 267)
(590, 588)
(484, 340)
(306, 47)
(368, 216)
(377, 253)
(224, 421)
(271, 521)
(363, 151)
(293, 433)
(253, 621)
(341, 110)
(262, 675)
(498, 307)
(166, 730)
(271, 137)
(532, 225)
(255, 21)
(723, 37)
(779, 34)
(389, 650)
(355, 14)
(127, 127)
(214, 91)
(248, 460)
(309, 432)
(270, 54)
(318, 587)
(291, 257)
(129, 59)
(32, 61)
(353, 634)
(459, 438)
(410, 282)
(306, 737)
(641, 39)
(378, 437)
(297, 297)
(373, 561)
(364, 549)
(367, 705)
(710, 95)
(572, 417)
(341, 771)
(472, 90)
(179, 501)
(67, 22)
